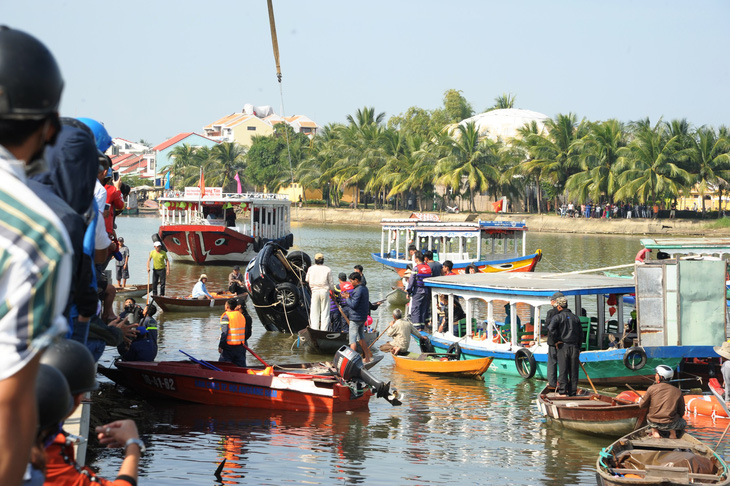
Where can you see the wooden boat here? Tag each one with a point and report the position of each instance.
(199, 229)
(442, 364)
(131, 291)
(325, 342)
(637, 458)
(188, 304)
(398, 298)
(592, 413)
(497, 247)
(711, 405)
(231, 385)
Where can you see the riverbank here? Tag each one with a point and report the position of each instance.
(547, 223)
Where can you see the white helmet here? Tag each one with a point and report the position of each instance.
(665, 372)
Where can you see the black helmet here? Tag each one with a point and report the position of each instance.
(53, 397)
(76, 363)
(30, 81)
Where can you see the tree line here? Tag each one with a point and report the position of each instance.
(415, 152)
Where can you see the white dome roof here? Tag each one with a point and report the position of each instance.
(504, 123)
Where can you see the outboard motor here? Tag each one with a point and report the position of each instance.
(349, 365)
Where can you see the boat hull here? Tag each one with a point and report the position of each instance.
(182, 304)
(592, 413)
(131, 291)
(234, 386)
(207, 243)
(325, 342)
(521, 264)
(605, 367)
(453, 367)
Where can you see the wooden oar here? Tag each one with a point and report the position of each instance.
(200, 361)
(148, 287)
(722, 436)
(381, 335)
(589, 378)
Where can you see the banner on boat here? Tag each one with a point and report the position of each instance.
(209, 192)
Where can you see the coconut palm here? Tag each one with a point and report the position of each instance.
(708, 161)
(502, 102)
(651, 164)
(225, 161)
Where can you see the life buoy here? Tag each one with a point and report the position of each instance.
(455, 349)
(630, 358)
(525, 363)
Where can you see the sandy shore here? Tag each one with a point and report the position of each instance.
(540, 223)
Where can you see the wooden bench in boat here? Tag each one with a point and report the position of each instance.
(673, 473)
(652, 443)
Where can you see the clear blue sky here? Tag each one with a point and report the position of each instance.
(153, 69)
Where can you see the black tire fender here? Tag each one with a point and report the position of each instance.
(630, 358)
(287, 294)
(455, 349)
(523, 357)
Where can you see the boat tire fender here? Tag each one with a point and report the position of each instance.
(455, 349)
(631, 356)
(525, 363)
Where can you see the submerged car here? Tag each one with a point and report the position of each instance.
(275, 282)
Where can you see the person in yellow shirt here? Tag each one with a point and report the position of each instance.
(160, 268)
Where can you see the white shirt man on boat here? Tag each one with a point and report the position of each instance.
(400, 330)
(319, 278)
(200, 291)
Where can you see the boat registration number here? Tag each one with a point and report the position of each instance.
(162, 383)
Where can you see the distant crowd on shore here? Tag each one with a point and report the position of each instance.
(619, 210)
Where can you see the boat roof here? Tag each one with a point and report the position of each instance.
(535, 284)
(698, 246)
(451, 226)
(233, 198)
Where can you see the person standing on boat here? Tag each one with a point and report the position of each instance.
(359, 269)
(436, 267)
(235, 281)
(319, 278)
(552, 362)
(447, 268)
(160, 267)
(233, 335)
(123, 264)
(200, 291)
(724, 351)
(357, 302)
(567, 334)
(665, 403)
(419, 294)
(337, 320)
(400, 330)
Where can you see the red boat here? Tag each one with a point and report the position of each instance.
(226, 384)
(222, 228)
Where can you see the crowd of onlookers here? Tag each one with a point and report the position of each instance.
(617, 210)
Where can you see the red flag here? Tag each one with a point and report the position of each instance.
(497, 205)
(202, 183)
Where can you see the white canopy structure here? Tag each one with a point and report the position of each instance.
(504, 123)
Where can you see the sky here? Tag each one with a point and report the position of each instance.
(152, 69)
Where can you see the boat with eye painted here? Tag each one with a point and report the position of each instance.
(348, 387)
(222, 227)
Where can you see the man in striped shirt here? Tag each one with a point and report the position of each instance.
(35, 255)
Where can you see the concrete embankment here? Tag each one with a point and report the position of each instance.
(540, 223)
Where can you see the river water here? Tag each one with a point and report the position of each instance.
(446, 431)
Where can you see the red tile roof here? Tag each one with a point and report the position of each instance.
(172, 141)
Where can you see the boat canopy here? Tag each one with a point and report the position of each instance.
(689, 246)
(531, 291)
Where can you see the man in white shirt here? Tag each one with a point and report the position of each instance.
(200, 291)
(319, 278)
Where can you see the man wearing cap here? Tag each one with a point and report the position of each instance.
(160, 267)
(235, 281)
(665, 403)
(319, 278)
(567, 334)
(200, 291)
(552, 363)
(724, 351)
(123, 265)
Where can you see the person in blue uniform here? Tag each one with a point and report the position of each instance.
(418, 292)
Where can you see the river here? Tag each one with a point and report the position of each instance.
(447, 430)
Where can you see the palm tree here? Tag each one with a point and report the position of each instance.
(599, 154)
(470, 163)
(708, 161)
(225, 161)
(502, 102)
(650, 164)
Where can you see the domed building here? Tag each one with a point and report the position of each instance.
(503, 124)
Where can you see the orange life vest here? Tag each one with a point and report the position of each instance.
(234, 325)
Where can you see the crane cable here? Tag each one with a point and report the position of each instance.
(275, 45)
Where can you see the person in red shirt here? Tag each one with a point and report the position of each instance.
(113, 198)
(447, 268)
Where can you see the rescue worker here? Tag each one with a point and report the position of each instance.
(233, 335)
(419, 294)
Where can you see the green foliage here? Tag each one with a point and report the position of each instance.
(456, 106)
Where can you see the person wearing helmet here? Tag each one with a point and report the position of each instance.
(101, 135)
(665, 403)
(34, 246)
(77, 365)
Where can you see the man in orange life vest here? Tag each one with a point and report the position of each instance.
(233, 335)
(420, 295)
